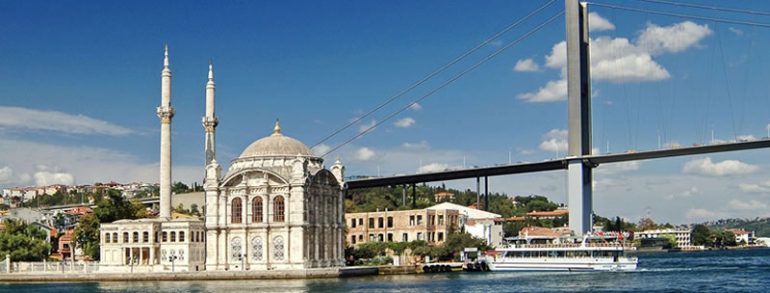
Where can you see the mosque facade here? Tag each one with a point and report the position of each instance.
(276, 208)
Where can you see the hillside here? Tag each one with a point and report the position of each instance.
(760, 226)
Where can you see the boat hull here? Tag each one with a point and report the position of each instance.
(561, 265)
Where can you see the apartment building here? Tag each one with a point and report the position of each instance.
(430, 225)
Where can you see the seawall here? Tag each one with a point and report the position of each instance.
(190, 276)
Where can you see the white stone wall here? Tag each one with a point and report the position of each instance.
(311, 234)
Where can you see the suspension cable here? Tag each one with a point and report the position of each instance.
(436, 72)
(449, 81)
(682, 15)
(715, 8)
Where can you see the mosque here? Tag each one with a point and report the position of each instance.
(276, 208)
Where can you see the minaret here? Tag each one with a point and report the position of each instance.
(165, 113)
(210, 121)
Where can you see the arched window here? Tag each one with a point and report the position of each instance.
(114, 237)
(145, 236)
(181, 236)
(256, 210)
(278, 208)
(236, 211)
(136, 236)
(165, 236)
(107, 237)
(125, 237)
(173, 236)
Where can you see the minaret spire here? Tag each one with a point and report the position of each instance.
(165, 56)
(165, 113)
(210, 119)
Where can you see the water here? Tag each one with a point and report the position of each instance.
(730, 271)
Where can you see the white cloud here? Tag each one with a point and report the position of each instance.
(736, 31)
(672, 39)
(526, 152)
(321, 149)
(416, 107)
(526, 65)
(367, 127)
(747, 137)
(6, 173)
(364, 154)
(48, 176)
(617, 168)
(620, 60)
(84, 163)
(747, 205)
(422, 145)
(31, 119)
(405, 122)
(551, 92)
(555, 140)
(597, 23)
(433, 167)
(698, 214)
(762, 187)
(724, 168)
(687, 193)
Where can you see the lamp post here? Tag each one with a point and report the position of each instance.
(172, 258)
(240, 256)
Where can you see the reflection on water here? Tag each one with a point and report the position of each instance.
(732, 271)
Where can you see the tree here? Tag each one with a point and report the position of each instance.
(194, 210)
(114, 207)
(646, 224)
(179, 187)
(86, 235)
(111, 208)
(671, 240)
(701, 235)
(23, 242)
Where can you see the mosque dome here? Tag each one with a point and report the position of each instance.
(276, 144)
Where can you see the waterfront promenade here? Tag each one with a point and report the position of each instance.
(191, 276)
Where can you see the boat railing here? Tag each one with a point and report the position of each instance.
(571, 245)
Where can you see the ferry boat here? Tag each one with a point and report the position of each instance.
(562, 257)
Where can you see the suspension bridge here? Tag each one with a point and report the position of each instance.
(579, 162)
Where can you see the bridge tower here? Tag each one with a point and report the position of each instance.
(579, 171)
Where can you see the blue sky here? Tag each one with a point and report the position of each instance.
(79, 83)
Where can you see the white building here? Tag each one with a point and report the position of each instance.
(743, 237)
(480, 224)
(152, 245)
(277, 208)
(682, 236)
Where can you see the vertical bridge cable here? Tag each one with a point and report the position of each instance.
(436, 72)
(449, 81)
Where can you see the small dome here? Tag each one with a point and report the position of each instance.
(276, 145)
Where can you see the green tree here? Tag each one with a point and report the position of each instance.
(646, 224)
(86, 235)
(23, 242)
(114, 207)
(701, 235)
(110, 208)
(180, 187)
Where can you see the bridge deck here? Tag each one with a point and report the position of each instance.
(554, 164)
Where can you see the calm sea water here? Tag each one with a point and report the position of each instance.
(732, 271)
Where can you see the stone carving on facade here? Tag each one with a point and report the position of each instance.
(278, 248)
(256, 248)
